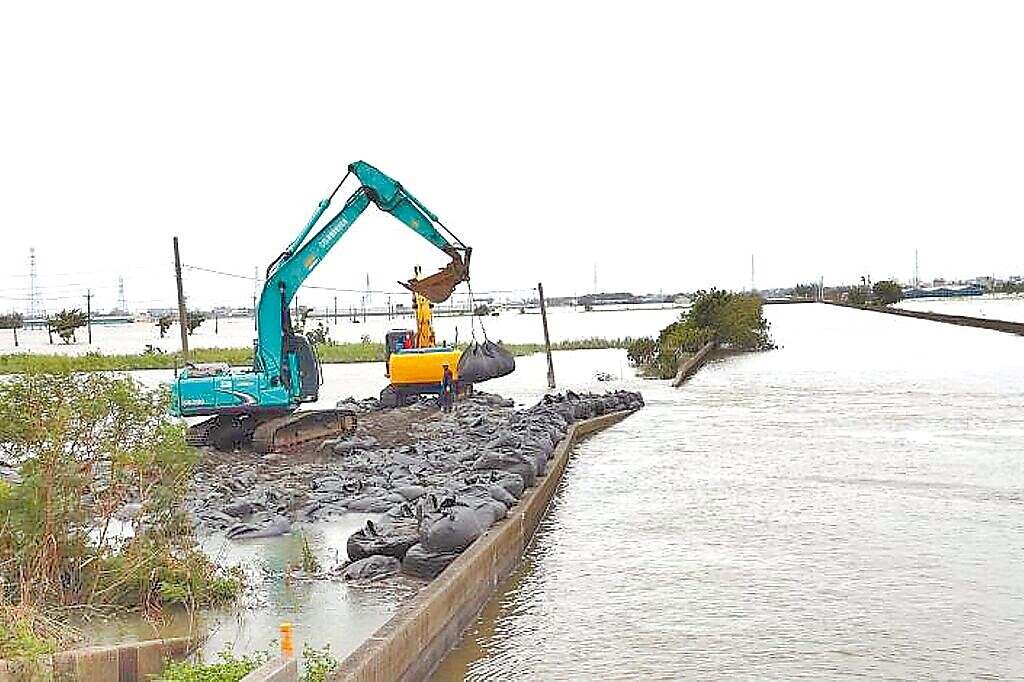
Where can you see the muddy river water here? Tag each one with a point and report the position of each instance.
(852, 503)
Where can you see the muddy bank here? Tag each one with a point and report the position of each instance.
(436, 481)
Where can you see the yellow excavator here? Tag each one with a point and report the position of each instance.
(413, 360)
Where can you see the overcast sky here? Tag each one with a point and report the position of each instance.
(661, 143)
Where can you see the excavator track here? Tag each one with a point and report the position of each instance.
(290, 432)
(199, 435)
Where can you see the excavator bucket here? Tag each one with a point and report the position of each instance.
(439, 286)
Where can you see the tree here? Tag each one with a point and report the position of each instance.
(642, 351)
(164, 323)
(806, 290)
(66, 322)
(192, 320)
(12, 321)
(888, 292)
(89, 446)
(734, 320)
(856, 296)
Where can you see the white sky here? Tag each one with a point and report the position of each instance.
(663, 142)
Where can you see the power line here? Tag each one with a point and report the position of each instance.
(392, 292)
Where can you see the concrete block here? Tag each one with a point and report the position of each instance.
(278, 670)
(149, 659)
(27, 669)
(97, 663)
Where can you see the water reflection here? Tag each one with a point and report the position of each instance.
(324, 612)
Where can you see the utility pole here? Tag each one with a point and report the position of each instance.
(335, 310)
(88, 313)
(547, 339)
(255, 295)
(182, 316)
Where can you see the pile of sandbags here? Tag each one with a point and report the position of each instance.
(483, 361)
(445, 496)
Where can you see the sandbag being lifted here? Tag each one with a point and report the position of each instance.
(483, 361)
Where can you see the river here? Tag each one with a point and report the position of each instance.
(850, 504)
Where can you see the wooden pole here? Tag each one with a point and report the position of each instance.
(182, 316)
(88, 313)
(547, 339)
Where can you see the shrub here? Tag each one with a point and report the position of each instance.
(733, 320)
(92, 449)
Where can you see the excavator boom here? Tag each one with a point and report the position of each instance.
(256, 403)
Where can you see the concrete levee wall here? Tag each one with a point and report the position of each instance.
(690, 366)
(961, 320)
(122, 663)
(281, 669)
(417, 638)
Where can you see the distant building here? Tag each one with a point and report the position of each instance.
(617, 298)
(948, 291)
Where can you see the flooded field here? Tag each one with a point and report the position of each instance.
(852, 503)
(1009, 307)
(512, 327)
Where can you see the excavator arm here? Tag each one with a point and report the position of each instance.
(287, 273)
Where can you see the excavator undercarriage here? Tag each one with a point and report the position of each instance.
(271, 432)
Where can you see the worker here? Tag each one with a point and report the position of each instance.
(447, 389)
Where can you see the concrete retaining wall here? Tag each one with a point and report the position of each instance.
(417, 638)
(688, 368)
(123, 663)
(281, 669)
(962, 320)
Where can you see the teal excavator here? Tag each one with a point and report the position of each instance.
(261, 404)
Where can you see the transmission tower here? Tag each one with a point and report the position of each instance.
(36, 309)
(122, 306)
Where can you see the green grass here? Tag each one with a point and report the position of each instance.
(329, 354)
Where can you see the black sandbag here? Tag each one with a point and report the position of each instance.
(370, 541)
(517, 463)
(483, 361)
(453, 532)
(423, 563)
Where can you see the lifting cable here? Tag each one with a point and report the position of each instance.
(472, 315)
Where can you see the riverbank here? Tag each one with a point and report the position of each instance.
(1004, 326)
(338, 353)
(429, 483)
(417, 638)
